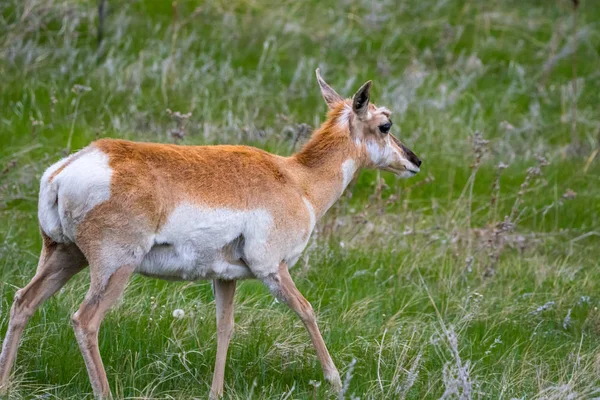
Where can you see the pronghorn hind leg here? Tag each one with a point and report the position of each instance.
(102, 294)
(224, 298)
(283, 288)
(58, 263)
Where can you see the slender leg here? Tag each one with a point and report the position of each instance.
(103, 293)
(224, 294)
(58, 263)
(282, 286)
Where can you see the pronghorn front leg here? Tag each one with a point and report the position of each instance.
(224, 293)
(282, 286)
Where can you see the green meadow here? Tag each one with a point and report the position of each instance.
(476, 279)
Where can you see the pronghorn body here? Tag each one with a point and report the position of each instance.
(197, 212)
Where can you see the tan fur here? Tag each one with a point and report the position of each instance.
(224, 293)
(58, 263)
(148, 182)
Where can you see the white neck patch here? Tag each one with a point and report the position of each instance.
(311, 212)
(348, 171)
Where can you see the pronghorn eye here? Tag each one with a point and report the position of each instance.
(385, 128)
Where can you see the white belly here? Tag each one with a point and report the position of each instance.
(180, 263)
(198, 243)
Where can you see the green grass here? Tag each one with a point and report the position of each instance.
(403, 275)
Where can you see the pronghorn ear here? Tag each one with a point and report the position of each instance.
(331, 97)
(360, 101)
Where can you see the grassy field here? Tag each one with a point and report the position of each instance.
(478, 278)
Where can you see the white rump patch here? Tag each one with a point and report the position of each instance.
(48, 203)
(75, 191)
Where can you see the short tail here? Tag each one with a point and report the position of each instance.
(48, 214)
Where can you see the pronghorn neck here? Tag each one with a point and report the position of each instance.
(329, 160)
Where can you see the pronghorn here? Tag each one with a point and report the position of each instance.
(197, 212)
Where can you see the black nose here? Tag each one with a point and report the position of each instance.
(412, 157)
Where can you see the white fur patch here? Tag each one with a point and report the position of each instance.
(48, 204)
(82, 185)
(311, 213)
(384, 156)
(75, 191)
(379, 156)
(344, 119)
(408, 174)
(201, 243)
(348, 171)
(384, 111)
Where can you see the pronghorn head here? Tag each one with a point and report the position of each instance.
(369, 127)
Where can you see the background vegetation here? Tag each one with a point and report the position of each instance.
(476, 279)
